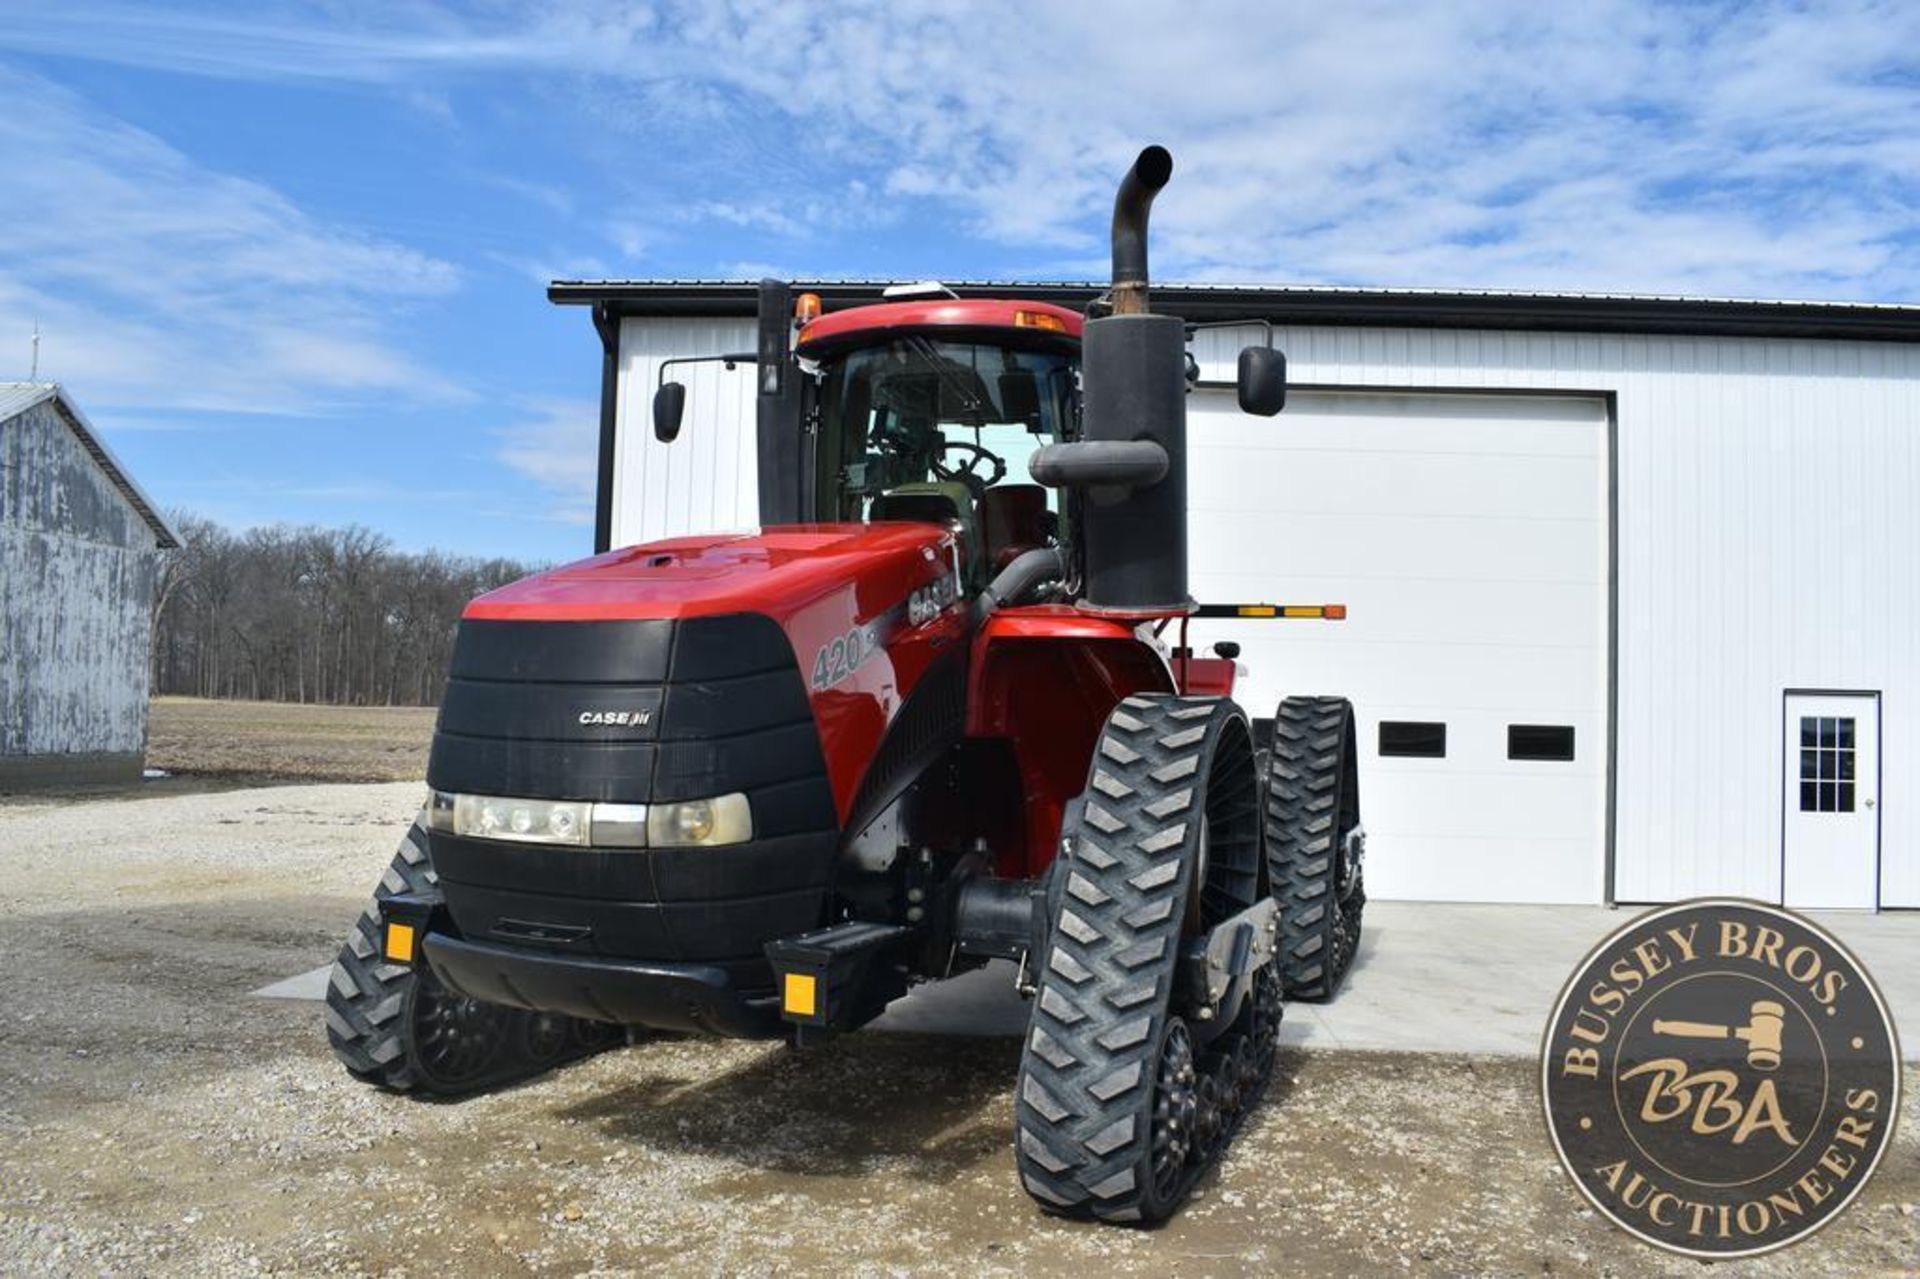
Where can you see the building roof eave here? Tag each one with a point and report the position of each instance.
(1301, 304)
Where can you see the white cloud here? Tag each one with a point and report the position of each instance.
(759, 269)
(555, 445)
(544, 270)
(1737, 149)
(632, 238)
(160, 283)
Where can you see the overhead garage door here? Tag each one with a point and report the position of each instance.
(1467, 536)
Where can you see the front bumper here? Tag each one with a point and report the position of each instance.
(700, 998)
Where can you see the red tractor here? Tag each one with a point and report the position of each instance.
(763, 784)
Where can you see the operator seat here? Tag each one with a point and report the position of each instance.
(947, 503)
(1013, 518)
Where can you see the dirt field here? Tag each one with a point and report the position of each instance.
(273, 741)
(157, 1119)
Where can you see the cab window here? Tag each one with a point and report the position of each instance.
(937, 431)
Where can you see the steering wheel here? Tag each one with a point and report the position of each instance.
(968, 472)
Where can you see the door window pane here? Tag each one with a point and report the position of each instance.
(1540, 741)
(1417, 739)
(1826, 764)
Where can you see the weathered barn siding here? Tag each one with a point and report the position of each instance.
(77, 569)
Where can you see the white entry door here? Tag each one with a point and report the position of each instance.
(1832, 800)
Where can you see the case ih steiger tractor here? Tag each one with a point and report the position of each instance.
(762, 784)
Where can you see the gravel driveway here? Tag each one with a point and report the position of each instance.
(156, 1118)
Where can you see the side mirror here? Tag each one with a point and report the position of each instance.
(1262, 384)
(1020, 397)
(669, 406)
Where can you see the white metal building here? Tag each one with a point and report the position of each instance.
(1633, 584)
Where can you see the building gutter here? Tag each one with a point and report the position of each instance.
(1371, 308)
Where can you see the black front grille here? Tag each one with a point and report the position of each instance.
(628, 711)
(636, 712)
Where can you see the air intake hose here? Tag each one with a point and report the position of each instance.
(1028, 571)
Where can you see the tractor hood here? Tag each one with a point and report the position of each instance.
(776, 571)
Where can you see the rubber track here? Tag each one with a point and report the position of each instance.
(1310, 758)
(366, 996)
(1083, 1111)
(369, 1002)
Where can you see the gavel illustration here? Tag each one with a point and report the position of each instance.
(1762, 1032)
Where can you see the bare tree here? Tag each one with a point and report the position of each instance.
(308, 614)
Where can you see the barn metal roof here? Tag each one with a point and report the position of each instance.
(17, 397)
(1329, 304)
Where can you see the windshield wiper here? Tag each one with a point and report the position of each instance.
(969, 402)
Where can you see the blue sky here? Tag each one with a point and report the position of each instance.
(291, 256)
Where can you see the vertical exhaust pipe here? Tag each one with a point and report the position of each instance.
(1132, 203)
(1129, 466)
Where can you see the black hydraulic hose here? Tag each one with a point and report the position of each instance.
(1131, 205)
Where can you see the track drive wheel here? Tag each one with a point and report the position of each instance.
(1122, 1102)
(398, 1028)
(1313, 858)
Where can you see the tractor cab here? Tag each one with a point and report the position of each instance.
(930, 411)
(968, 413)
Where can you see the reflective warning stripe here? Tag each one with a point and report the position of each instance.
(1319, 612)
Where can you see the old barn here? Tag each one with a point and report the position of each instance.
(79, 552)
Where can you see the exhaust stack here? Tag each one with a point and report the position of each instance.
(1129, 465)
(1131, 205)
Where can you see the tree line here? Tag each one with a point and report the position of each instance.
(304, 614)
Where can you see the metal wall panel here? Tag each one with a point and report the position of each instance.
(707, 479)
(1766, 533)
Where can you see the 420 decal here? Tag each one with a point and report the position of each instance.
(841, 656)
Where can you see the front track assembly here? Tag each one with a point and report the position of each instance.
(1131, 1086)
(397, 1027)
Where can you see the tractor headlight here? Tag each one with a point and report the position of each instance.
(525, 821)
(700, 822)
(727, 819)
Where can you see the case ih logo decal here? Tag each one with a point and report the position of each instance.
(932, 599)
(616, 719)
(1720, 1078)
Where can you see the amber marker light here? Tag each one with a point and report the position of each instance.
(1039, 320)
(799, 995)
(400, 943)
